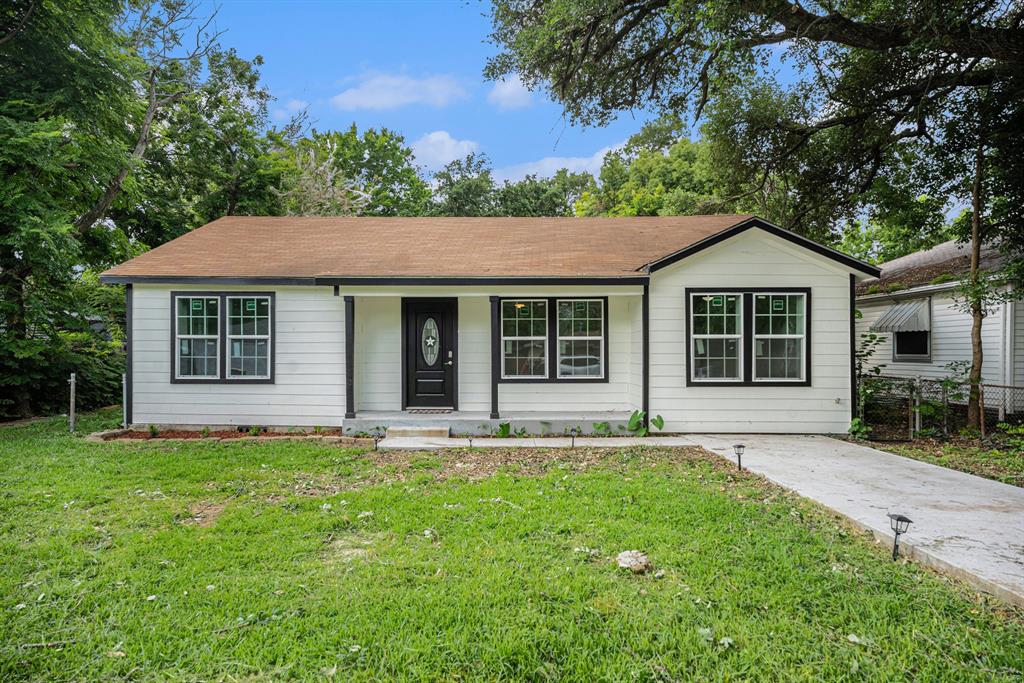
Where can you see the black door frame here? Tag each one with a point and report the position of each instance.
(454, 301)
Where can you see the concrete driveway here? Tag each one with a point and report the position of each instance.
(966, 526)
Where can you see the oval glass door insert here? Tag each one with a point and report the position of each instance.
(429, 341)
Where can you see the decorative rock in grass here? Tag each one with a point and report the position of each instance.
(634, 560)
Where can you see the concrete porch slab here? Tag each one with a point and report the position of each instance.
(965, 526)
(477, 423)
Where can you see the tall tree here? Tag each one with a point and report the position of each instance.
(382, 164)
(65, 93)
(867, 78)
(464, 187)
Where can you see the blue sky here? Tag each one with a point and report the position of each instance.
(414, 67)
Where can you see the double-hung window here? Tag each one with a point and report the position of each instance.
(580, 338)
(222, 337)
(717, 337)
(780, 333)
(524, 338)
(249, 336)
(197, 337)
(554, 340)
(748, 337)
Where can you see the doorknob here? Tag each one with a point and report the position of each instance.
(450, 362)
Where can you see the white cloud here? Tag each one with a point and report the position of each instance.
(289, 109)
(436, 149)
(548, 166)
(391, 91)
(510, 94)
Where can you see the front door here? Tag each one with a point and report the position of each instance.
(429, 342)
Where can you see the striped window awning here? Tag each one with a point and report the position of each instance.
(910, 316)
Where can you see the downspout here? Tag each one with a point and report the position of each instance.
(645, 396)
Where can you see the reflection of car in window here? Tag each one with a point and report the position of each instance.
(579, 365)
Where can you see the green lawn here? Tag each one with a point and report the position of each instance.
(254, 561)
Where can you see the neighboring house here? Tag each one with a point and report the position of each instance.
(911, 304)
(716, 323)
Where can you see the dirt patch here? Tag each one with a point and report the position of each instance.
(480, 463)
(204, 513)
(351, 547)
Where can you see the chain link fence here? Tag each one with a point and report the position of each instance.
(900, 408)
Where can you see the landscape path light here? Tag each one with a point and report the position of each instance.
(899, 524)
(738, 450)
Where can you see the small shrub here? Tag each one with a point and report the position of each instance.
(254, 430)
(1015, 436)
(522, 433)
(317, 429)
(204, 432)
(636, 424)
(659, 422)
(504, 430)
(602, 428)
(859, 429)
(153, 431)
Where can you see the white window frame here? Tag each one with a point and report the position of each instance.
(544, 338)
(178, 337)
(754, 336)
(559, 338)
(269, 336)
(694, 337)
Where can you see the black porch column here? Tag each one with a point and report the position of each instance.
(350, 357)
(495, 354)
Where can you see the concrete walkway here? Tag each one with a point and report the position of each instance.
(965, 526)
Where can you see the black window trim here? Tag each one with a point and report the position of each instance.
(552, 342)
(222, 324)
(747, 343)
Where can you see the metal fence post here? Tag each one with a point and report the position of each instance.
(71, 411)
(124, 400)
(945, 410)
(917, 405)
(911, 408)
(981, 407)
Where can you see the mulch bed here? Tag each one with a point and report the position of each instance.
(220, 434)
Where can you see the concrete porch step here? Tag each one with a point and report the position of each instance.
(425, 431)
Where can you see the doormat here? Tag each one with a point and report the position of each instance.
(429, 411)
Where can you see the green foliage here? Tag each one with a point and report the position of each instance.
(504, 430)
(255, 430)
(658, 422)
(153, 431)
(1015, 436)
(602, 428)
(636, 425)
(204, 432)
(466, 187)
(859, 429)
(867, 95)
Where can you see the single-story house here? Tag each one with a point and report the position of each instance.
(912, 307)
(716, 323)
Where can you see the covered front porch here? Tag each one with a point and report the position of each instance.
(544, 359)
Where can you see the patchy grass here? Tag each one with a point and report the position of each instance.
(260, 561)
(965, 455)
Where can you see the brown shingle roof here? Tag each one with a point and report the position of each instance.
(307, 247)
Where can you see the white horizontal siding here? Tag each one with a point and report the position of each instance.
(309, 386)
(1018, 344)
(950, 341)
(753, 259)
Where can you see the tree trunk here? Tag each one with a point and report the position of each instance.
(974, 416)
(99, 210)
